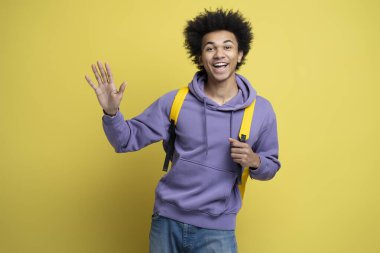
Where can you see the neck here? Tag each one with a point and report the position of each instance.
(221, 92)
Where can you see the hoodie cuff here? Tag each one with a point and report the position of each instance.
(111, 119)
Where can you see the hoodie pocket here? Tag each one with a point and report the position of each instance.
(193, 186)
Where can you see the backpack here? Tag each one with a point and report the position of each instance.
(245, 129)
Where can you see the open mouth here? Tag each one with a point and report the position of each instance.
(220, 66)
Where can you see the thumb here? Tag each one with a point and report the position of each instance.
(122, 87)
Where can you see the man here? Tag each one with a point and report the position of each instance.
(198, 199)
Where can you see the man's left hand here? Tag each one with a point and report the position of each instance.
(243, 154)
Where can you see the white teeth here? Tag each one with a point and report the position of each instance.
(220, 64)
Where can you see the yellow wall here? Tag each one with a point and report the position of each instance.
(64, 189)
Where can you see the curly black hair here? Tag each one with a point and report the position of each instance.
(210, 21)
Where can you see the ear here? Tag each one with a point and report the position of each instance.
(200, 60)
(240, 56)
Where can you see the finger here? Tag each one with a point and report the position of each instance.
(109, 73)
(239, 150)
(237, 156)
(95, 70)
(90, 82)
(236, 143)
(104, 77)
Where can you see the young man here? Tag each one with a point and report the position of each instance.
(198, 199)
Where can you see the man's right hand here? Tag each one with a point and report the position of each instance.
(108, 96)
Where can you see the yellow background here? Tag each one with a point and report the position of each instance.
(64, 189)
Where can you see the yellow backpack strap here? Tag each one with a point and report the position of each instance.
(177, 103)
(245, 129)
(174, 112)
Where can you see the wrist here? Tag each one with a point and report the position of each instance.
(256, 162)
(111, 113)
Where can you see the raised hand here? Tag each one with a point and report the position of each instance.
(108, 96)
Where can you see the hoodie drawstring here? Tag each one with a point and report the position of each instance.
(232, 114)
(205, 126)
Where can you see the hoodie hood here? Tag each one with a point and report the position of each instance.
(246, 95)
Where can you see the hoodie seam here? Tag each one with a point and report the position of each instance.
(207, 166)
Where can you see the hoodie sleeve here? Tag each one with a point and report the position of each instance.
(267, 149)
(151, 126)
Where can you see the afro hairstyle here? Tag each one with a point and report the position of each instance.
(210, 21)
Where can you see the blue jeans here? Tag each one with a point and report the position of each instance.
(170, 236)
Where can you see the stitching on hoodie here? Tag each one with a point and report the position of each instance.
(207, 166)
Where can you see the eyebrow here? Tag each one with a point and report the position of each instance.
(212, 43)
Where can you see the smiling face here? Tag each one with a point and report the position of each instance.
(220, 55)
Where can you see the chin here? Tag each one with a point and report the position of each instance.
(220, 77)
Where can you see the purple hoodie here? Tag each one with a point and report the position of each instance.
(201, 187)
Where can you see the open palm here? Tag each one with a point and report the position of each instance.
(108, 96)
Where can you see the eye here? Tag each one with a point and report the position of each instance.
(209, 49)
(228, 47)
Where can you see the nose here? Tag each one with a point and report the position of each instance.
(219, 53)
